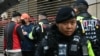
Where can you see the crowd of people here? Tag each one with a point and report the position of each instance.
(75, 33)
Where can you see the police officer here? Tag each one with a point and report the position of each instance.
(63, 38)
(81, 9)
(41, 28)
(85, 19)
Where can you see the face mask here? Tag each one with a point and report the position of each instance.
(23, 22)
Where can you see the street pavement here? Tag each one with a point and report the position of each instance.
(1, 54)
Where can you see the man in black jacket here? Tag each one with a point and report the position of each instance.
(13, 36)
(88, 24)
(41, 28)
(63, 38)
(81, 9)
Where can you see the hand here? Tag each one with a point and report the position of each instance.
(24, 33)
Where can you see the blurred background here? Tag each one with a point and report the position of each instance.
(33, 7)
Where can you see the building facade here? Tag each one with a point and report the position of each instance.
(94, 7)
(33, 7)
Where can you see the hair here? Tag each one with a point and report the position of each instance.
(15, 14)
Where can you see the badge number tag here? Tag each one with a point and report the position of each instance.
(62, 50)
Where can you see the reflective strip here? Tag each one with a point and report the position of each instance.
(83, 30)
(80, 17)
(90, 50)
(94, 17)
(41, 24)
(15, 50)
(30, 36)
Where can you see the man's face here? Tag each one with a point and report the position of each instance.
(67, 27)
(26, 20)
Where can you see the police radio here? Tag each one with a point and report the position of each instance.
(74, 45)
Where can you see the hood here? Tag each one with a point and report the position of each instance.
(84, 14)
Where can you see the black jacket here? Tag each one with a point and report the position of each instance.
(37, 30)
(49, 46)
(84, 14)
(12, 36)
